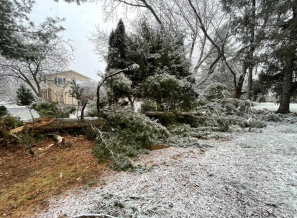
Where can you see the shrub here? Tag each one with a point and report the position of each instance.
(271, 117)
(7, 123)
(10, 122)
(169, 92)
(52, 110)
(216, 90)
(3, 111)
(149, 105)
(24, 96)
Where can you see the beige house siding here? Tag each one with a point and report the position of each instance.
(57, 87)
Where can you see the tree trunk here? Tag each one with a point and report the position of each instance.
(284, 106)
(60, 123)
(238, 88)
(250, 83)
(251, 51)
(98, 100)
(287, 86)
(131, 101)
(83, 110)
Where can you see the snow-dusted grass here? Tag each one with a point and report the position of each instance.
(245, 174)
(273, 106)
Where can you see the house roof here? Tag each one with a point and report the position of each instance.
(72, 71)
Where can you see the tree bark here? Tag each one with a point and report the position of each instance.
(284, 106)
(60, 123)
(131, 101)
(251, 51)
(238, 87)
(161, 113)
(287, 86)
(83, 110)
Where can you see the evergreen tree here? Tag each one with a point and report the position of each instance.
(280, 44)
(158, 53)
(24, 96)
(116, 58)
(17, 32)
(164, 73)
(157, 49)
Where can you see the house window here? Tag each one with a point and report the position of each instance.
(60, 80)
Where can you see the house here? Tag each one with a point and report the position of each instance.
(56, 87)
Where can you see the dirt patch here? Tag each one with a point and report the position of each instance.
(28, 181)
(159, 146)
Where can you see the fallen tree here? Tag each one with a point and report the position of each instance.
(47, 125)
(162, 113)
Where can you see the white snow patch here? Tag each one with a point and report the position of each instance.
(273, 106)
(20, 111)
(246, 174)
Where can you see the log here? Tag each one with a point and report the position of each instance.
(161, 113)
(61, 123)
(58, 139)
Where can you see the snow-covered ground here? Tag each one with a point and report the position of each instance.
(20, 111)
(244, 174)
(273, 106)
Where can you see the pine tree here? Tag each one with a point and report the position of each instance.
(24, 96)
(17, 33)
(157, 49)
(280, 30)
(116, 58)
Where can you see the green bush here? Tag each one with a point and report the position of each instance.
(271, 117)
(10, 122)
(169, 92)
(52, 110)
(130, 135)
(3, 111)
(24, 96)
(149, 105)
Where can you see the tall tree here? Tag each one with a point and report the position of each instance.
(243, 17)
(180, 16)
(16, 30)
(13, 17)
(280, 44)
(116, 58)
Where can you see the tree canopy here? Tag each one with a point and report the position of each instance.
(17, 32)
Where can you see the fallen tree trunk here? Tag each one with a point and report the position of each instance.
(60, 123)
(161, 113)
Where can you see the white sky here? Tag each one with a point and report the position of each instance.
(80, 22)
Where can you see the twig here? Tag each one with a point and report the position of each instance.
(101, 137)
(32, 118)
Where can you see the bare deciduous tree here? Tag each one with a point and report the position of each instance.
(50, 58)
(199, 20)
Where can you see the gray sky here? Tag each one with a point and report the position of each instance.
(80, 22)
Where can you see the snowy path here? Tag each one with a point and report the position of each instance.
(246, 175)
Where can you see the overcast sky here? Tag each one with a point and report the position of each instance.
(80, 22)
